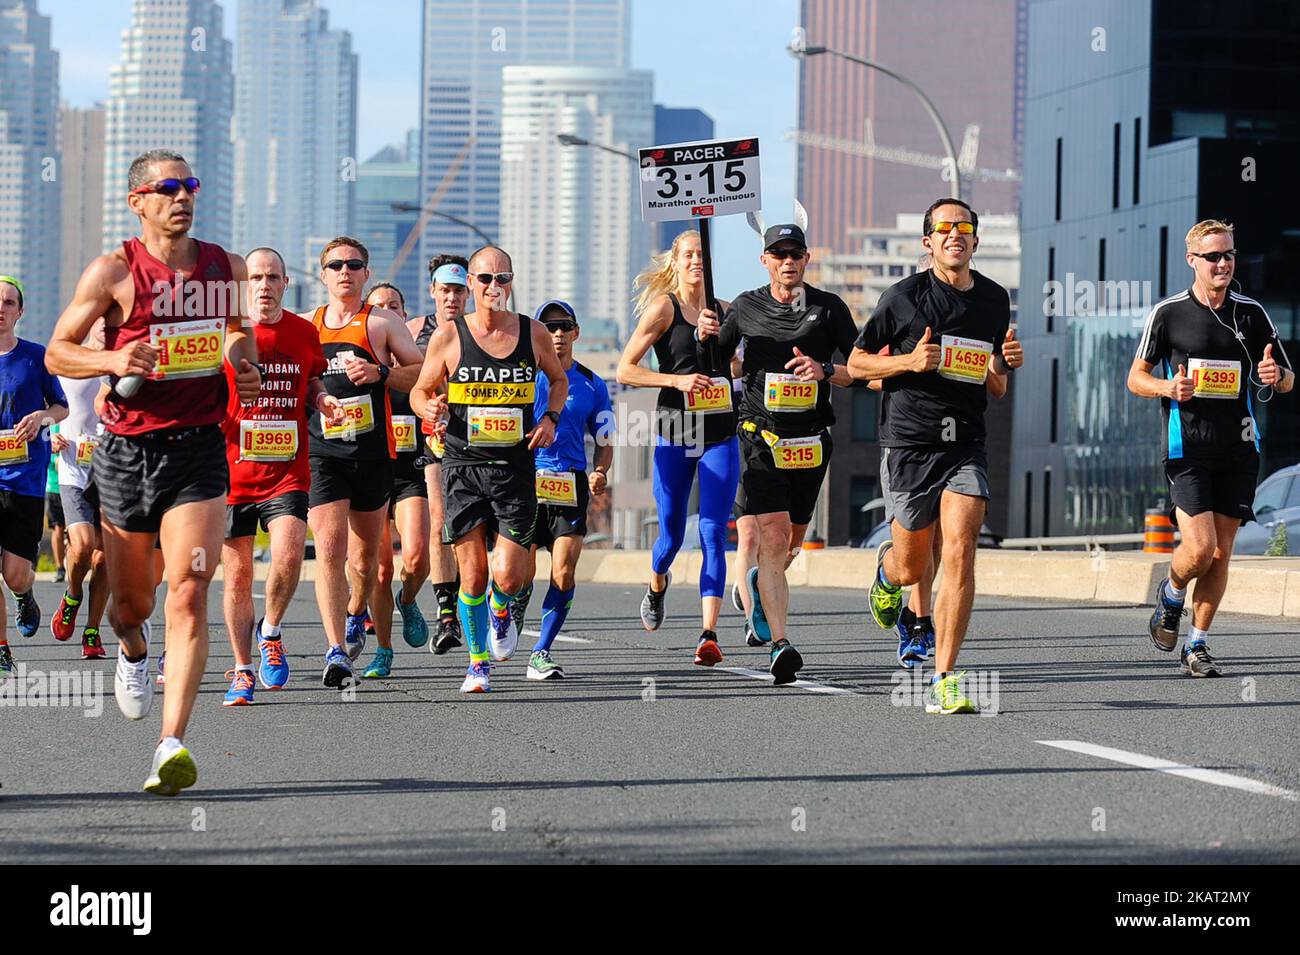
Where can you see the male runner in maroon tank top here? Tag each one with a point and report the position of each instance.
(172, 308)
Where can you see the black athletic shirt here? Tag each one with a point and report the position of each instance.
(943, 408)
(675, 352)
(1220, 418)
(426, 332)
(772, 331)
(483, 394)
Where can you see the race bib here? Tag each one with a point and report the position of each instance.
(1212, 378)
(964, 359)
(714, 399)
(404, 432)
(359, 417)
(557, 487)
(188, 349)
(432, 442)
(13, 449)
(495, 427)
(268, 440)
(788, 393)
(795, 454)
(490, 392)
(86, 445)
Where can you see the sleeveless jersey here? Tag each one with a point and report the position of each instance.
(186, 321)
(715, 418)
(490, 401)
(366, 435)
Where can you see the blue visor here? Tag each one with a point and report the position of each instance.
(451, 274)
(554, 303)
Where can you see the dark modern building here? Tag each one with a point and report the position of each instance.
(1142, 119)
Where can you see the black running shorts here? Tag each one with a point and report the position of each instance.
(242, 519)
(768, 489)
(22, 524)
(142, 476)
(482, 493)
(1225, 486)
(559, 520)
(367, 485)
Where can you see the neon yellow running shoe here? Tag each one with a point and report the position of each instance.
(885, 604)
(173, 770)
(944, 696)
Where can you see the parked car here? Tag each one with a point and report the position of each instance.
(1277, 501)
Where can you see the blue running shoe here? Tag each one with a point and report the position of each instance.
(927, 635)
(911, 644)
(785, 663)
(381, 666)
(1163, 625)
(354, 637)
(28, 617)
(338, 669)
(241, 689)
(274, 668)
(415, 631)
(757, 620)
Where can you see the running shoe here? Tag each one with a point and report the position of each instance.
(786, 662)
(911, 644)
(542, 667)
(6, 659)
(273, 670)
(92, 648)
(355, 635)
(131, 683)
(944, 696)
(64, 622)
(415, 630)
(886, 604)
(707, 651)
(381, 666)
(1163, 626)
(1198, 662)
(173, 770)
(735, 597)
(477, 678)
(338, 669)
(503, 636)
(758, 624)
(160, 679)
(927, 634)
(652, 605)
(28, 617)
(241, 688)
(447, 637)
(751, 638)
(61, 575)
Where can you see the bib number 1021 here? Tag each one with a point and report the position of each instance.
(733, 178)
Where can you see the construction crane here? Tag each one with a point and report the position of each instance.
(867, 147)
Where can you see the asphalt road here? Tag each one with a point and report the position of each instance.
(642, 757)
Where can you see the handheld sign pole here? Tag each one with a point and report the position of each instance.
(709, 301)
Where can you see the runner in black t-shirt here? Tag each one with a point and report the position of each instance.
(946, 327)
(791, 333)
(1214, 348)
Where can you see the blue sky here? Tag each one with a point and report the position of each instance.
(739, 73)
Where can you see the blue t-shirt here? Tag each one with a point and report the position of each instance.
(586, 411)
(25, 386)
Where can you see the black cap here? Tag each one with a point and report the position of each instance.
(783, 233)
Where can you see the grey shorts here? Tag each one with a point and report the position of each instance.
(80, 505)
(912, 481)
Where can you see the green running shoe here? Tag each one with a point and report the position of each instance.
(945, 696)
(886, 604)
(542, 667)
(381, 666)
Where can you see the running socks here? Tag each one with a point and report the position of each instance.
(884, 581)
(907, 619)
(474, 624)
(1196, 636)
(522, 600)
(499, 600)
(1175, 595)
(269, 632)
(446, 596)
(555, 610)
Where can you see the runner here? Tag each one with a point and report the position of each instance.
(947, 326)
(563, 485)
(1214, 347)
(409, 508)
(54, 512)
(269, 475)
(172, 309)
(75, 448)
(791, 332)
(449, 288)
(31, 399)
(695, 431)
(490, 438)
(367, 350)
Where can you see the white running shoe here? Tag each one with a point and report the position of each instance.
(503, 636)
(131, 683)
(477, 679)
(173, 769)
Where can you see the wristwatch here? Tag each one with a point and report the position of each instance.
(553, 415)
(383, 373)
(828, 369)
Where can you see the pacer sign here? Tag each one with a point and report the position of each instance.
(691, 180)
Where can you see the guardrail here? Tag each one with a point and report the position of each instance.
(1086, 541)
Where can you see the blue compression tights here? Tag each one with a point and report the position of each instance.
(674, 472)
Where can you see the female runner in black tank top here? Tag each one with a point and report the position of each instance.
(695, 430)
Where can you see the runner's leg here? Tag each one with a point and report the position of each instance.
(237, 597)
(1211, 583)
(329, 528)
(381, 595)
(773, 591)
(719, 473)
(960, 516)
(288, 545)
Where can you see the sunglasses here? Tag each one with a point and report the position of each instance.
(963, 228)
(352, 265)
(169, 187)
(1216, 256)
(553, 327)
(501, 278)
(787, 253)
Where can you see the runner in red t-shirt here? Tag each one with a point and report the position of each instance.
(269, 476)
(172, 307)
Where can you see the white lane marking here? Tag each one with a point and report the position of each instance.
(1211, 776)
(559, 639)
(808, 685)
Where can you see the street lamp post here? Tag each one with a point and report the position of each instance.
(412, 207)
(803, 50)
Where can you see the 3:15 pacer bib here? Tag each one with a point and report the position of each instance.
(557, 487)
(268, 440)
(714, 399)
(495, 426)
(788, 393)
(795, 454)
(964, 359)
(1213, 378)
